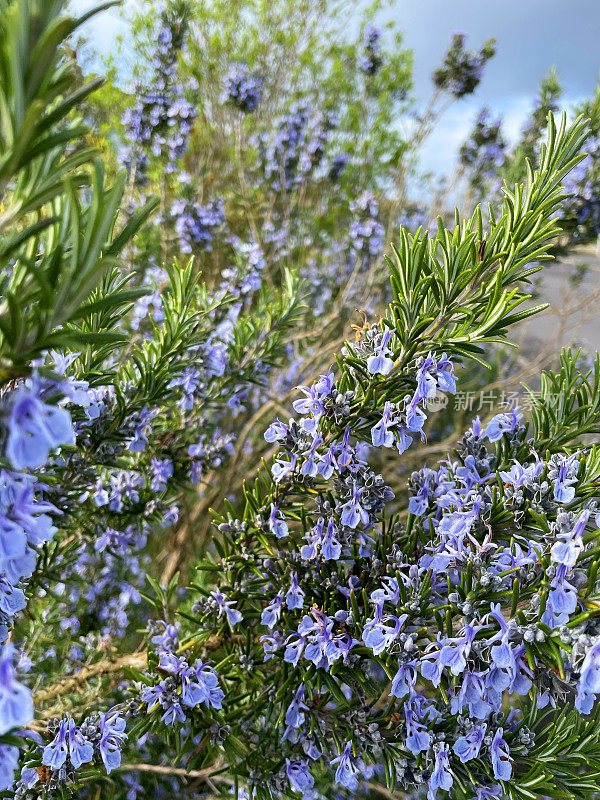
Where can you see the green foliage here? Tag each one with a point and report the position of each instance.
(591, 109)
(550, 92)
(58, 220)
(567, 763)
(265, 330)
(568, 404)
(461, 290)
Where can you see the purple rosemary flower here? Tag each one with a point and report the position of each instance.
(381, 362)
(277, 523)
(562, 470)
(294, 597)
(294, 716)
(381, 435)
(322, 539)
(162, 694)
(225, 607)
(469, 745)
(378, 635)
(281, 469)
(242, 89)
(9, 761)
(81, 751)
(441, 777)
(55, 753)
(462, 70)
(271, 614)
(276, 432)
(589, 679)
(418, 737)
(299, 777)
(69, 742)
(331, 549)
(349, 768)
(34, 428)
(162, 471)
(141, 430)
(200, 684)
(431, 662)
(569, 545)
(473, 695)
(352, 511)
(507, 422)
(167, 639)
(500, 753)
(370, 61)
(16, 706)
(404, 680)
(112, 736)
(309, 467)
(434, 375)
(456, 651)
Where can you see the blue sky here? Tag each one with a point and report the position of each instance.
(532, 36)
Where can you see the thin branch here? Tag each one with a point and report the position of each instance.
(193, 774)
(75, 683)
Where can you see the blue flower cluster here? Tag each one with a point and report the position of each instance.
(343, 628)
(16, 711)
(33, 428)
(98, 738)
(184, 686)
(242, 89)
(462, 70)
(318, 450)
(116, 563)
(129, 490)
(16, 706)
(484, 151)
(161, 118)
(366, 231)
(351, 595)
(196, 224)
(370, 61)
(296, 148)
(245, 277)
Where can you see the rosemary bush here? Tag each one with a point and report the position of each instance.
(339, 637)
